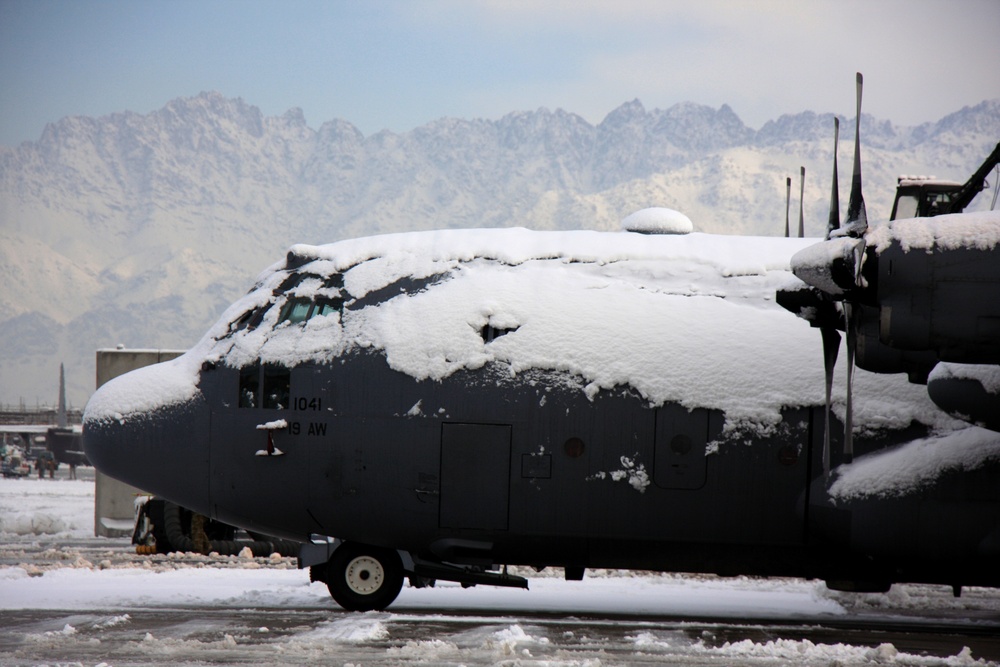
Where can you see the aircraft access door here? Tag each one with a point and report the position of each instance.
(681, 440)
(475, 476)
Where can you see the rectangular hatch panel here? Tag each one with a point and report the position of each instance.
(475, 476)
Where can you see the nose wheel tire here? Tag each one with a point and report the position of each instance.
(362, 578)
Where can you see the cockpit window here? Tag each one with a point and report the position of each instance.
(277, 387)
(267, 387)
(296, 310)
(240, 322)
(328, 307)
(249, 320)
(306, 295)
(300, 309)
(289, 282)
(249, 386)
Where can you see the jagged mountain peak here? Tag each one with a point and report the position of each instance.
(692, 126)
(539, 117)
(623, 114)
(212, 102)
(684, 109)
(339, 130)
(295, 117)
(804, 126)
(225, 115)
(983, 117)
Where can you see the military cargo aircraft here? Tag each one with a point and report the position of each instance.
(439, 405)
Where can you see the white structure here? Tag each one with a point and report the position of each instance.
(114, 501)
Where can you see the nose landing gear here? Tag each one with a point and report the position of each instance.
(362, 578)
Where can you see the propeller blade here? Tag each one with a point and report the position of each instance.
(857, 216)
(802, 191)
(831, 337)
(831, 347)
(857, 225)
(852, 343)
(788, 202)
(834, 221)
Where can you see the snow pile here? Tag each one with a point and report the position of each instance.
(788, 651)
(658, 221)
(179, 649)
(31, 524)
(434, 651)
(353, 629)
(63, 508)
(986, 375)
(688, 319)
(112, 622)
(813, 264)
(900, 470)
(121, 589)
(980, 231)
(513, 641)
(160, 385)
(805, 652)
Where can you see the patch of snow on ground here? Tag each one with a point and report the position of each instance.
(55, 507)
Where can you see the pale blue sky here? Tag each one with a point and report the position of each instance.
(398, 65)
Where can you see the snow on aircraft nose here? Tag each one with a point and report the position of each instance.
(150, 428)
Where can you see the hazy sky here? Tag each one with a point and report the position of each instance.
(398, 65)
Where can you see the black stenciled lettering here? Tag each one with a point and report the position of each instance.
(302, 403)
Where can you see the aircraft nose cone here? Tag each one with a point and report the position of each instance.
(150, 428)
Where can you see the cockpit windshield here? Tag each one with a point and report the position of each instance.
(300, 309)
(300, 297)
(296, 310)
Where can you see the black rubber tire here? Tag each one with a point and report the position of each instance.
(362, 578)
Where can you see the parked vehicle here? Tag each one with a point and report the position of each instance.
(14, 463)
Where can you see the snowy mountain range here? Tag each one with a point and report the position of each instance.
(140, 229)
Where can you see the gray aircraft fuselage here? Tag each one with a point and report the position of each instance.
(485, 467)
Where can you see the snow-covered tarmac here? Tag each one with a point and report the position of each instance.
(67, 598)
